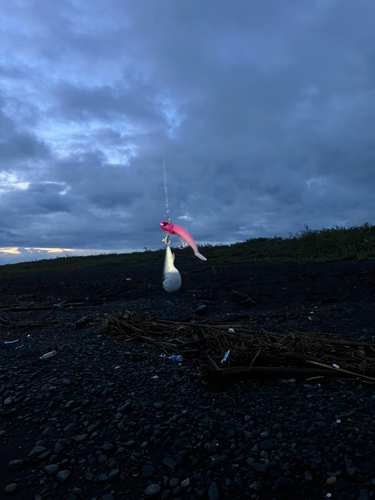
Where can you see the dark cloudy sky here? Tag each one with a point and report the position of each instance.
(264, 111)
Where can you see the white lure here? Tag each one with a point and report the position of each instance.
(172, 277)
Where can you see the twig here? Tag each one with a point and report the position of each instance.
(341, 370)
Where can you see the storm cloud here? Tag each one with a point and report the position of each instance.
(264, 112)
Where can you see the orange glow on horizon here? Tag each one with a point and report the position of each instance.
(52, 250)
(13, 250)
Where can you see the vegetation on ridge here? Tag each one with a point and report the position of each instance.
(325, 245)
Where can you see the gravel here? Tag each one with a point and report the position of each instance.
(94, 422)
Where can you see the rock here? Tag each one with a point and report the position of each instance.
(48, 432)
(213, 492)
(81, 438)
(260, 467)
(63, 475)
(285, 485)
(37, 450)
(265, 445)
(148, 471)
(169, 462)
(11, 488)
(15, 464)
(108, 496)
(174, 482)
(125, 408)
(51, 469)
(185, 483)
(308, 476)
(113, 474)
(331, 480)
(103, 478)
(108, 446)
(152, 490)
(341, 484)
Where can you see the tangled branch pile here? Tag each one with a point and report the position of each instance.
(250, 351)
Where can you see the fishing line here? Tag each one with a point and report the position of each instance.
(166, 240)
(166, 190)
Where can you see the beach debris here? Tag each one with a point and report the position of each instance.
(244, 297)
(201, 310)
(225, 357)
(48, 355)
(176, 358)
(82, 322)
(230, 330)
(302, 356)
(11, 341)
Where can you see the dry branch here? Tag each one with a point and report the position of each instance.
(264, 351)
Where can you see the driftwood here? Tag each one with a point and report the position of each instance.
(253, 354)
(230, 375)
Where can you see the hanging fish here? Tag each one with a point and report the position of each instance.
(174, 229)
(172, 277)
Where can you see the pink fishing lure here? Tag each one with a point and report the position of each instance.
(174, 229)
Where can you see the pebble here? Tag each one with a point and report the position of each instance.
(285, 485)
(257, 451)
(37, 450)
(213, 492)
(169, 462)
(108, 496)
(51, 469)
(81, 438)
(148, 471)
(152, 490)
(63, 475)
(331, 480)
(11, 488)
(15, 464)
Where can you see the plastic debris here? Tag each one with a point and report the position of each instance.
(155, 377)
(176, 357)
(336, 366)
(338, 421)
(11, 341)
(226, 355)
(48, 355)
(128, 279)
(230, 330)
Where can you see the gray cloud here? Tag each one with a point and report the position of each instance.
(264, 112)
